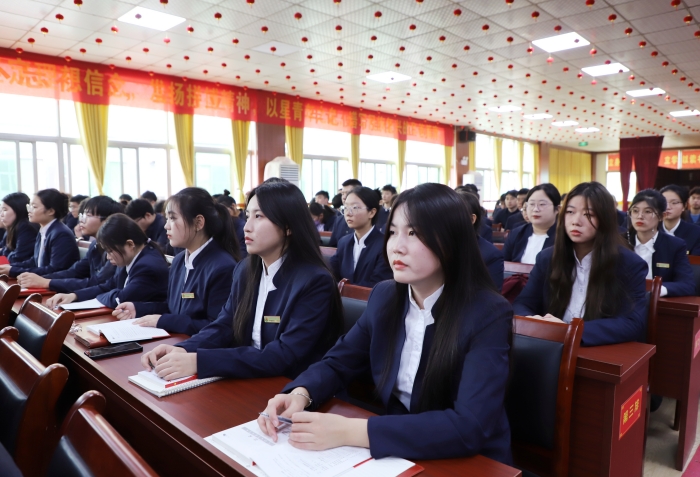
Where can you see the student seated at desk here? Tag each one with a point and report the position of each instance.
(360, 256)
(284, 310)
(141, 211)
(71, 219)
(510, 209)
(493, 258)
(676, 200)
(89, 271)
(54, 248)
(589, 273)
(436, 340)
(340, 227)
(525, 242)
(20, 233)
(142, 273)
(200, 279)
(665, 255)
(323, 217)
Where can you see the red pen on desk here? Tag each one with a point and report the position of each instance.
(177, 382)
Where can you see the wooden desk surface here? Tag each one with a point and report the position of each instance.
(182, 420)
(613, 363)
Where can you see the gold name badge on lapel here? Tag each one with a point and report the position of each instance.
(663, 265)
(186, 296)
(271, 319)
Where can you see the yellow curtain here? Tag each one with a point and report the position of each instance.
(447, 166)
(520, 147)
(240, 153)
(295, 144)
(184, 134)
(92, 123)
(401, 164)
(536, 151)
(472, 156)
(498, 162)
(355, 155)
(568, 168)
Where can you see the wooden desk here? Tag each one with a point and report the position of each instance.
(606, 377)
(675, 370)
(169, 432)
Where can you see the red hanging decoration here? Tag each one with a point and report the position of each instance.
(223, 65)
(218, 16)
(687, 19)
(642, 44)
(490, 59)
(402, 49)
(535, 15)
(654, 54)
(697, 34)
(675, 3)
(557, 28)
(411, 27)
(59, 17)
(530, 50)
(369, 57)
(44, 30)
(31, 41)
(78, 2)
(164, 3)
(190, 29)
(235, 41)
(19, 51)
(590, 3)
(211, 50)
(664, 64)
(467, 48)
(339, 48)
(377, 14)
(98, 41)
(509, 40)
(297, 16)
(593, 51)
(114, 29)
(246, 57)
(457, 12)
(166, 40)
(146, 50)
(250, 2)
(509, 3)
(128, 59)
(83, 51)
(485, 27)
(373, 38)
(309, 57)
(304, 39)
(338, 28)
(264, 29)
(628, 31)
(612, 18)
(442, 39)
(550, 60)
(429, 58)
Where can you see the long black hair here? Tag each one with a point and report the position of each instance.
(322, 210)
(655, 200)
(284, 205)
(53, 199)
(18, 202)
(604, 288)
(194, 201)
(454, 242)
(117, 230)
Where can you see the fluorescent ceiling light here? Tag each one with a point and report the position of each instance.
(389, 77)
(587, 130)
(151, 19)
(685, 112)
(564, 123)
(537, 116)
(602, 70)
(561, 42)
(280, 49)
(504, 109)
(637, 93)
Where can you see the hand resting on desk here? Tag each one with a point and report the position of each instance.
(61, 299)
(32, 280)
(170, 362)
(127, 311)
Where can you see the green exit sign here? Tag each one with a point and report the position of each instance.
(583, 143)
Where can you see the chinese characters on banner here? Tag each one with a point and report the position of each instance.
(613, 163)
(690, 159)
(47, 76)
(631, 411)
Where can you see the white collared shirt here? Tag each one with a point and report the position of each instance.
(646, 251)
(534, 246)
(673, 230)
(189, 258)
(42, 231)
(128, 267)
(359, 245)
(416, 322)
(266, 286)
(577, 303)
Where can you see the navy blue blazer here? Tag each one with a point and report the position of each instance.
(476, 423)
(691, 235)
(493, 258)
(486, 232)
(238, 224)
(302, 301)
(208, 283)
(621, 218)
(25, 238)
(502, 216)
(157, 232)
(371, 267)
(516, 243)
(90, 271)
(670, 262)
(340, 230)
(629, 322)
(514, 221)
(148, 281)
(382, 219)
(60, 252)
(70, 221)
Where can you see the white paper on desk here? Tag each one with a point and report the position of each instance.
(83, 305)
(282, 460)
(125, 330)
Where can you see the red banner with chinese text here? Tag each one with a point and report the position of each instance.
(669, 159)
(53, 77)
(690, 159)
(613, 163)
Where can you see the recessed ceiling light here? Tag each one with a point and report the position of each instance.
(389, 77)
(561, 42)
(637, 93)
(276, 48)
(151, 19)
(685, 112)
(504, 109)
(564, 123)
(602, 70)
(587, 130)
(537, 116)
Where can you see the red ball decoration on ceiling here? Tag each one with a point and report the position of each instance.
(246, 57)
(429, 58)
(664, 64)
(339, 48)
(509, 3)
(442, 38)
(164, 2)
(264, 29)
(642, 44)
(457, 12)
(338, 28)
(297, 16)
(223, 65)
(654, 53)
(402, 49)
(411, 27)
(590, 3)
(373, 38)
(687, 19)
(485, 27)
(304, 39)
(190, 29)
(369, 57)
(211, 50)
(98, 41)
(467, 48)
(675, 3)
(309, 57)
(509, 40)
(235, 41)
(377, 14)
(166, 40)
(535, 15)
(31, 41)
(530, 50)
(612, 18)
(628, 31)
(59, 17)
(146, 50)
(218, 16)
(593, 51)
(557, 28)
(115, 30)
(250, 2)
(19, 51)
(44, 30)
(78, 2)
(83, 51)
(697, 34)
(128, 59)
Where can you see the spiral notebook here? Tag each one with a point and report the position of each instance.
(150, 381)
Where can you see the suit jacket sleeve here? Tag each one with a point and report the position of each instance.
(380, 272)
(531, 299)
(496, 269)
(335, 265)
(335, 235)
(24, 245)
(509, 246)
(683, 283)
(64, 253)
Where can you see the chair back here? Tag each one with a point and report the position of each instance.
(83, 246)
(8, 296)
(499, 246)
(354, 302)
(28, 395)
(540, 392)
(512, 268)
(325, 238)
(89, 445)
(41, 331)
(500, 236)
(496, 227)
(653, 295)
(695, 265)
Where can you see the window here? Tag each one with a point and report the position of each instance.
(213, 171)
(30, 115)
(26, 168)
(137, 125)
(326, 161)
(8, 167)
(378, 158)
(416, 174)
(614, 184)
(528, 165)
(211, 131)
(377, 174)
(509, 165)
(153, 169)
(319, 174)
(47, 165)
(484, 162)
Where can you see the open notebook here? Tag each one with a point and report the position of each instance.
(126, 330)
(248, 446)
(150, 381)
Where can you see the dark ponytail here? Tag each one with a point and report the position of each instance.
(218, 224)
(117, 230)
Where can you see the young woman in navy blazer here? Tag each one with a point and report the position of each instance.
(369, 267)
(94, 268)
(55, 247)
(676, 200)
(493, 258)
(142, 273)
(436, 340)
(589, 273)
(666, 256)
(284, 310)
(200, 279)
(20, 234)
(340, 227)
(525, 242)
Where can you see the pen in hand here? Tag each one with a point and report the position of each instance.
(284, 420)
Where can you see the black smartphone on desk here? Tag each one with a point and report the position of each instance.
(114, 350)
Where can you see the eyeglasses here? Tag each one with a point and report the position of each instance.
(31, 208)
(646, 213)
(352, 210)
(675, 203)
(85, 217)
(543, 204)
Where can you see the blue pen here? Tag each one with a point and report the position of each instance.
(285, 420)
